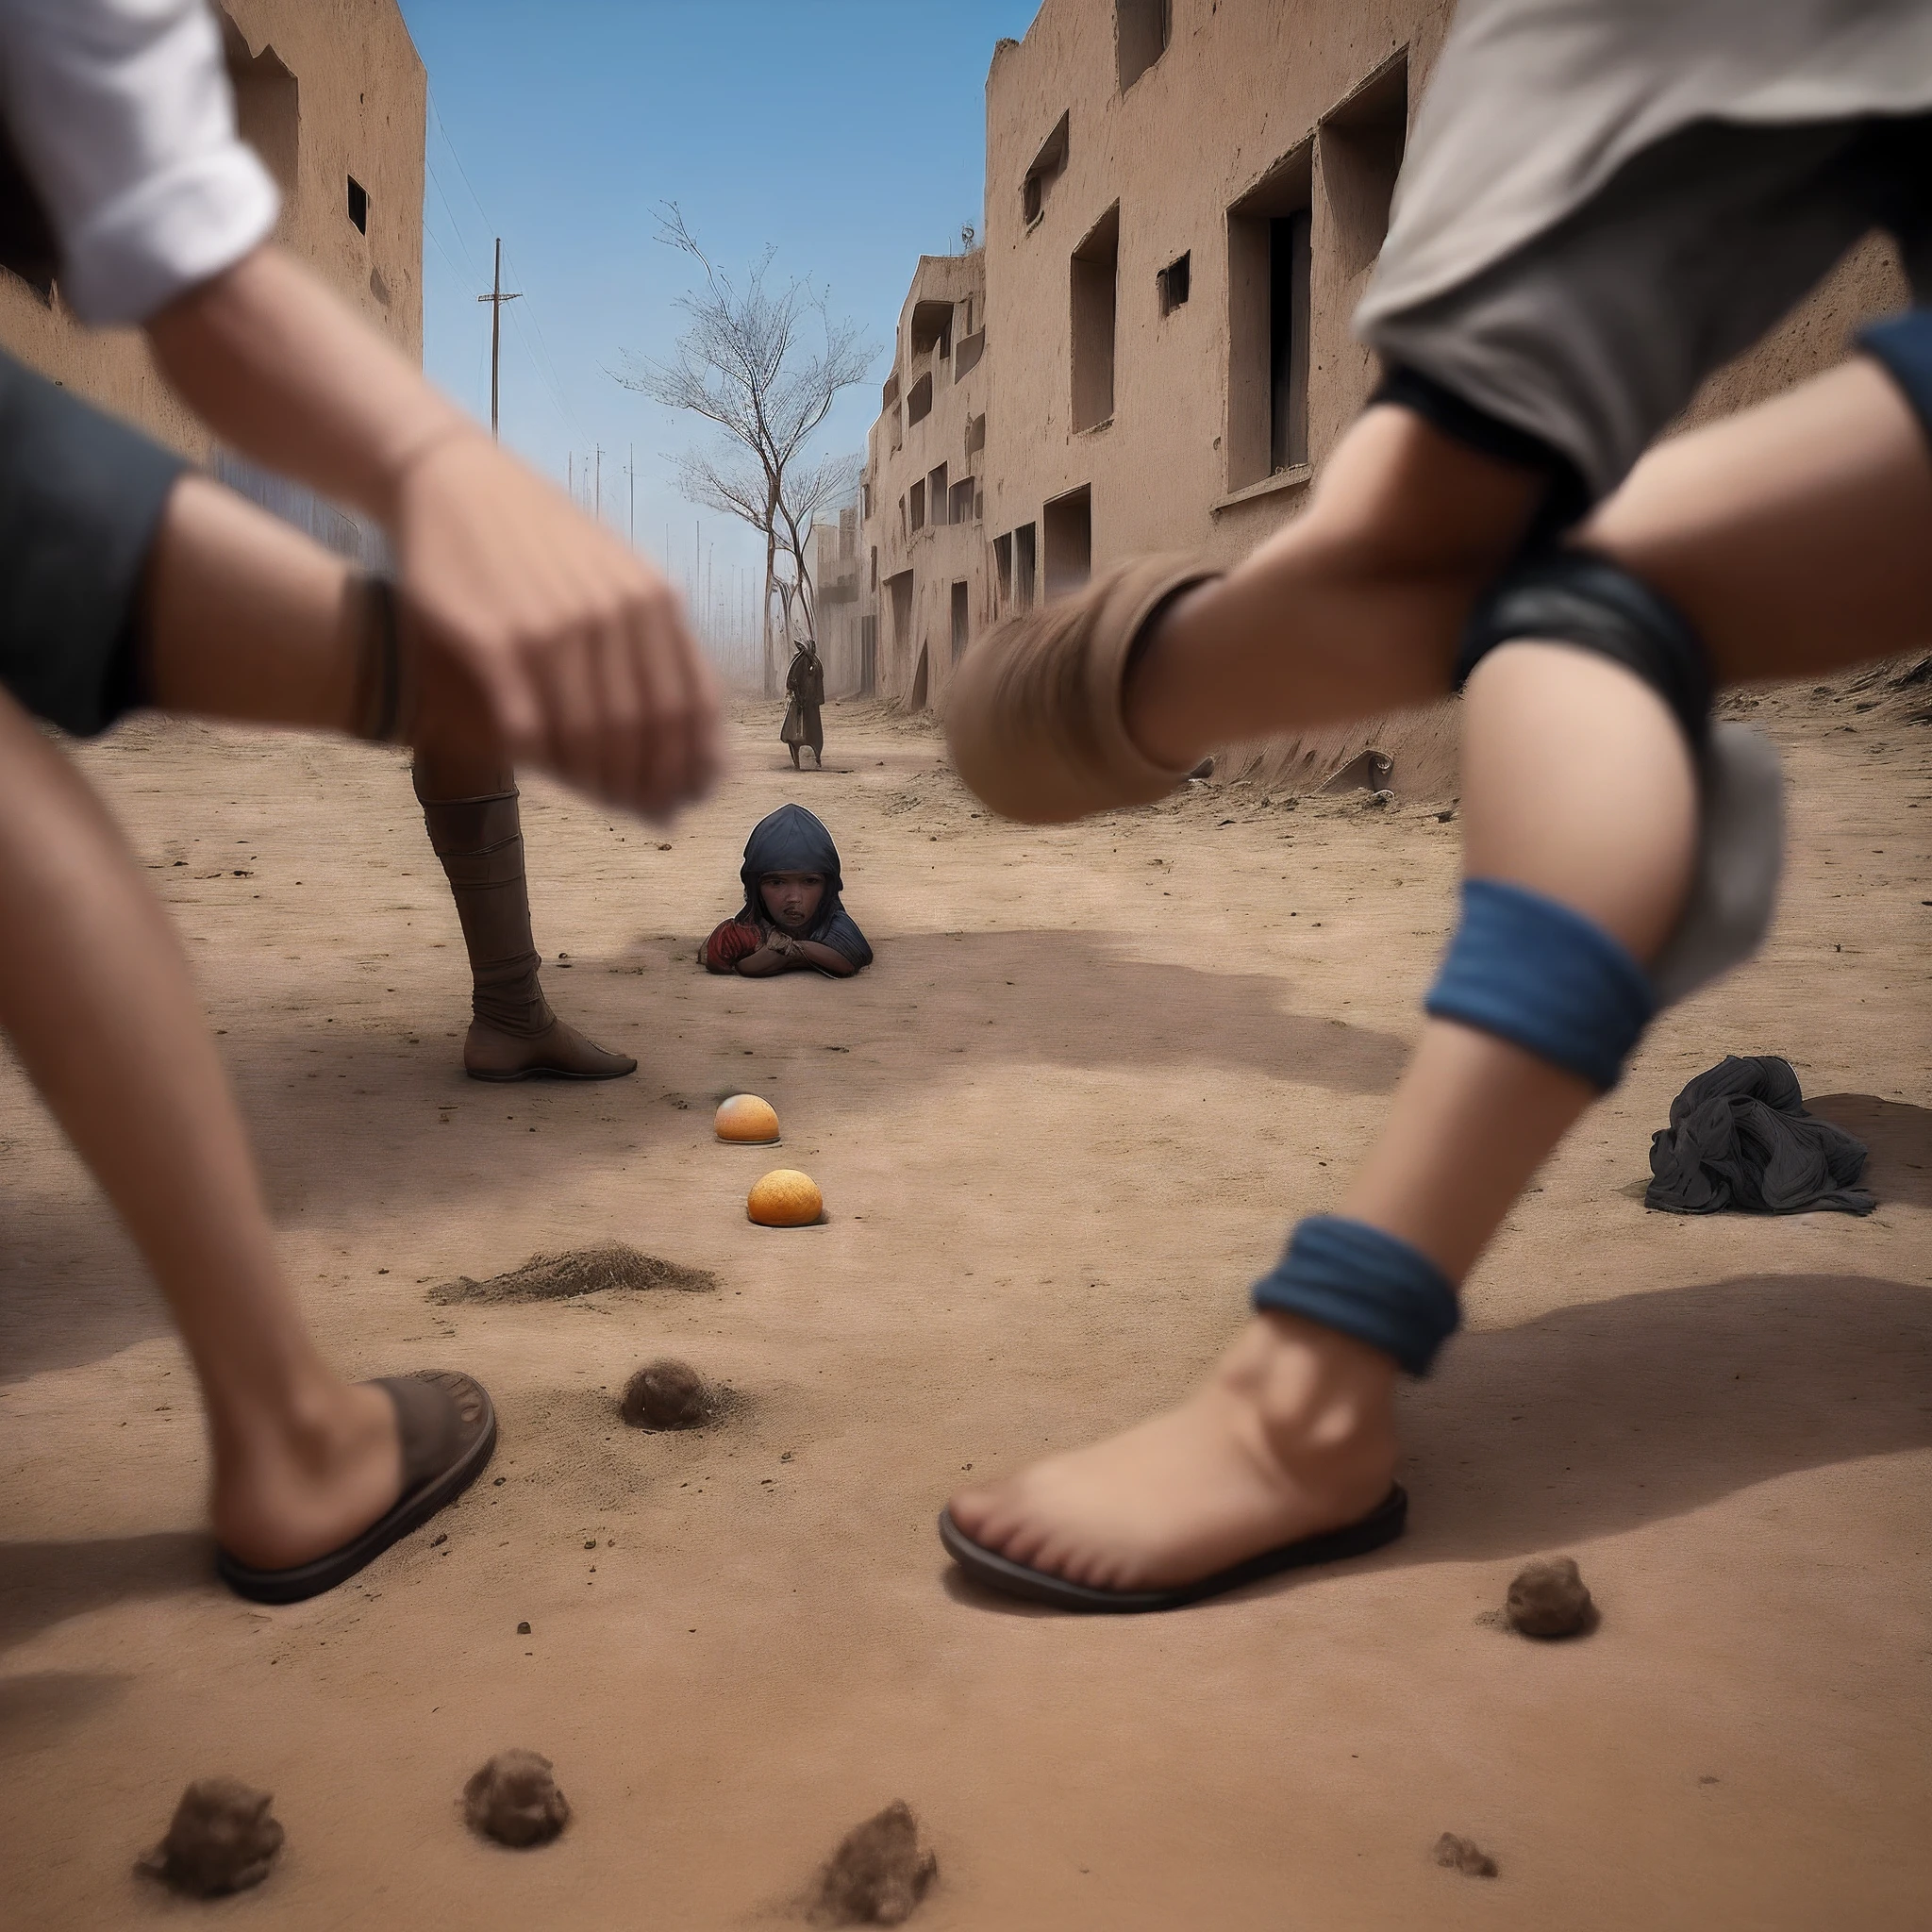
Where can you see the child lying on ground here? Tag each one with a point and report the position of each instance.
(791, 918)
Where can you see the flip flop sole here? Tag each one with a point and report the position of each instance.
(303, 1580)
(1382, 1525)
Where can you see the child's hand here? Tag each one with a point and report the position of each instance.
(739, 939)
(782, 943)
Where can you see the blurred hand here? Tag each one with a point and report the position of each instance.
(578, 648)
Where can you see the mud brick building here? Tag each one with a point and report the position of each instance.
(332, 95)
(1151, 350)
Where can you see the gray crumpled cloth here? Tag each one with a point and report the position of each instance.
(1739, 1138)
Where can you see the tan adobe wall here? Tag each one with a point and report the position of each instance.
(325, 90)
(923, 568)
(1253, 113)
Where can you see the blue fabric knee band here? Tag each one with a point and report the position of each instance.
(1536, 973)
(1359, 1281)
(1903, 346)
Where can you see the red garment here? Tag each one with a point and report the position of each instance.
(734, 940)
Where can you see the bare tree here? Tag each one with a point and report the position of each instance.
(764, 364)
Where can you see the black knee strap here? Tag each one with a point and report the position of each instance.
(1573, 597)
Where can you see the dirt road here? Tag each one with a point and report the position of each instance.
(1059, 1127)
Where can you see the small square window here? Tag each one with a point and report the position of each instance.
(1173, 285)
(358, 204)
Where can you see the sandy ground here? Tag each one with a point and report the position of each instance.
(1059, 1127)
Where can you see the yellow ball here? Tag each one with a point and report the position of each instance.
(746, 1118)
(785, 1198)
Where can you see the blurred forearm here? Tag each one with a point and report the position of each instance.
(279, 367)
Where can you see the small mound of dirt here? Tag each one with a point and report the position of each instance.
(515, 1800)
(222, 1840)
(1463, 1854)
(878, 1875)
(578, 1272)
(1549, 1598)
(668, 1395)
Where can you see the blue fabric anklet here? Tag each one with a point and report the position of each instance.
(1359, 1281)
(1545, 979)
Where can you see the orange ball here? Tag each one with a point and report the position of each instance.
(746, 1118)
(785, 1198)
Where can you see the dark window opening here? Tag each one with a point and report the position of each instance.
(1003, 571)
(975, 434)
(959, 504)
(1141, 29)
(875, 566)
(935, 494)
(358, 204)
(966, 358)
(1095, 290)
(1268, 315)
(868, 655)
(1024, 549)
(919, 400)
(1173, 282)
(1288, 342)
(916, 698)
(1048, 166)
(1068, 522)
(962, 619)
(916, 497)
(901, 589)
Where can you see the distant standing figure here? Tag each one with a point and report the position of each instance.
(806, 681)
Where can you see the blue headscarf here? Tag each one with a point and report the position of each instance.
(793, 840)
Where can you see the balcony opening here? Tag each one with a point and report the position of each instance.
(962, 619)
(358, 204)
(268, 106)
(1048, 165)
(1362, 154)
(932, 328)
(1268, 232)
(962, 503)
(919, 400)
(1174, 283)
(936, 495)
(915, 497)
(1095, 281)
(975, 434)
(1141, 29)
(900, 592)
(966, 357)
(1068, 523)
(1026, 549)
(1002, 572)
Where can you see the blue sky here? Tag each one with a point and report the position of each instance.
(850, 133)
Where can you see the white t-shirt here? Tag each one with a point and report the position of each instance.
(123, 118)
(1535, 104)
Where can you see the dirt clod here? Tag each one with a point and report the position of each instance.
(1463, 1854)
(578, 1272)
(522, 1629)
(222, 1840)
(878, 1874)
(515, 1800)
(1549, 1598)
(668, 1395)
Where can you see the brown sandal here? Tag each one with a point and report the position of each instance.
(1034, 717)
(448, 1429)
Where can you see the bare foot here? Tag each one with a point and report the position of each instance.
(560, 1052)
(1294, 1434)
(296, 1489)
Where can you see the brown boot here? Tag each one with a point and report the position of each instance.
(514, 1034)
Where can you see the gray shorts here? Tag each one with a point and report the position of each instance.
(80, 498)
(1589, 339)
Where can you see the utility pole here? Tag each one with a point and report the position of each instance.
(496, 298)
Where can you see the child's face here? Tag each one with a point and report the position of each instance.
(792, 898)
